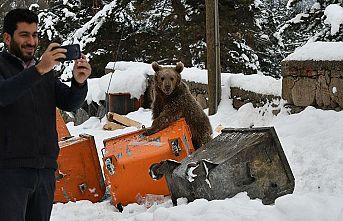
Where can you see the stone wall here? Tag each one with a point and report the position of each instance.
(313, 83)
(240, 97)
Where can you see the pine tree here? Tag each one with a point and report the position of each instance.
(308, 24)
(269, 15)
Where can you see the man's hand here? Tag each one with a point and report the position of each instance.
(49, 58)
(82, 69)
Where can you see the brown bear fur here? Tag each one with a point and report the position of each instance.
(172, 100)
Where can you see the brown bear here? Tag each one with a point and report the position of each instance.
(172, 100)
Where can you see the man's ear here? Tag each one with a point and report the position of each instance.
(7, 38)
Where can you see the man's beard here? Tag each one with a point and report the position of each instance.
(15, 50)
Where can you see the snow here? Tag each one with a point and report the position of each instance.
(334, 17)
(312, 141)
(299, 18)
(67, 13)
(318, 51)
(124, 75)
(262, 84)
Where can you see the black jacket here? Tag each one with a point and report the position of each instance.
(28, 101)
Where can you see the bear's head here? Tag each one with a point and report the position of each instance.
(167, 78)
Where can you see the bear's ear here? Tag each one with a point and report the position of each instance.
(179, 67)
(155, 66)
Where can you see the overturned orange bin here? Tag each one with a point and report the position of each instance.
(129, 161)
(79, 175)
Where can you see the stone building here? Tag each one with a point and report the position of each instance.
(313, 76)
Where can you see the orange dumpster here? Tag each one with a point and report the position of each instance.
(79, 175)
(129, 160)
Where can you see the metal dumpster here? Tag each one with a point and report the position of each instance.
(238, 160)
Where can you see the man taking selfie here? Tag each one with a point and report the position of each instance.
(29, 95)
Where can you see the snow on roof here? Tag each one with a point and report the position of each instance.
(318, 51)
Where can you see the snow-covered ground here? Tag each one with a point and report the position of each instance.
(312, 141)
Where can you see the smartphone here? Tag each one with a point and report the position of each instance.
(73, 52)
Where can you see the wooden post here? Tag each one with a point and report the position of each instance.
(217, 49)
(213, 55)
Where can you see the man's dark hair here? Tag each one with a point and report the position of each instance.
(18, 15)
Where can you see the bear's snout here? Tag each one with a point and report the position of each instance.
(167, 88)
